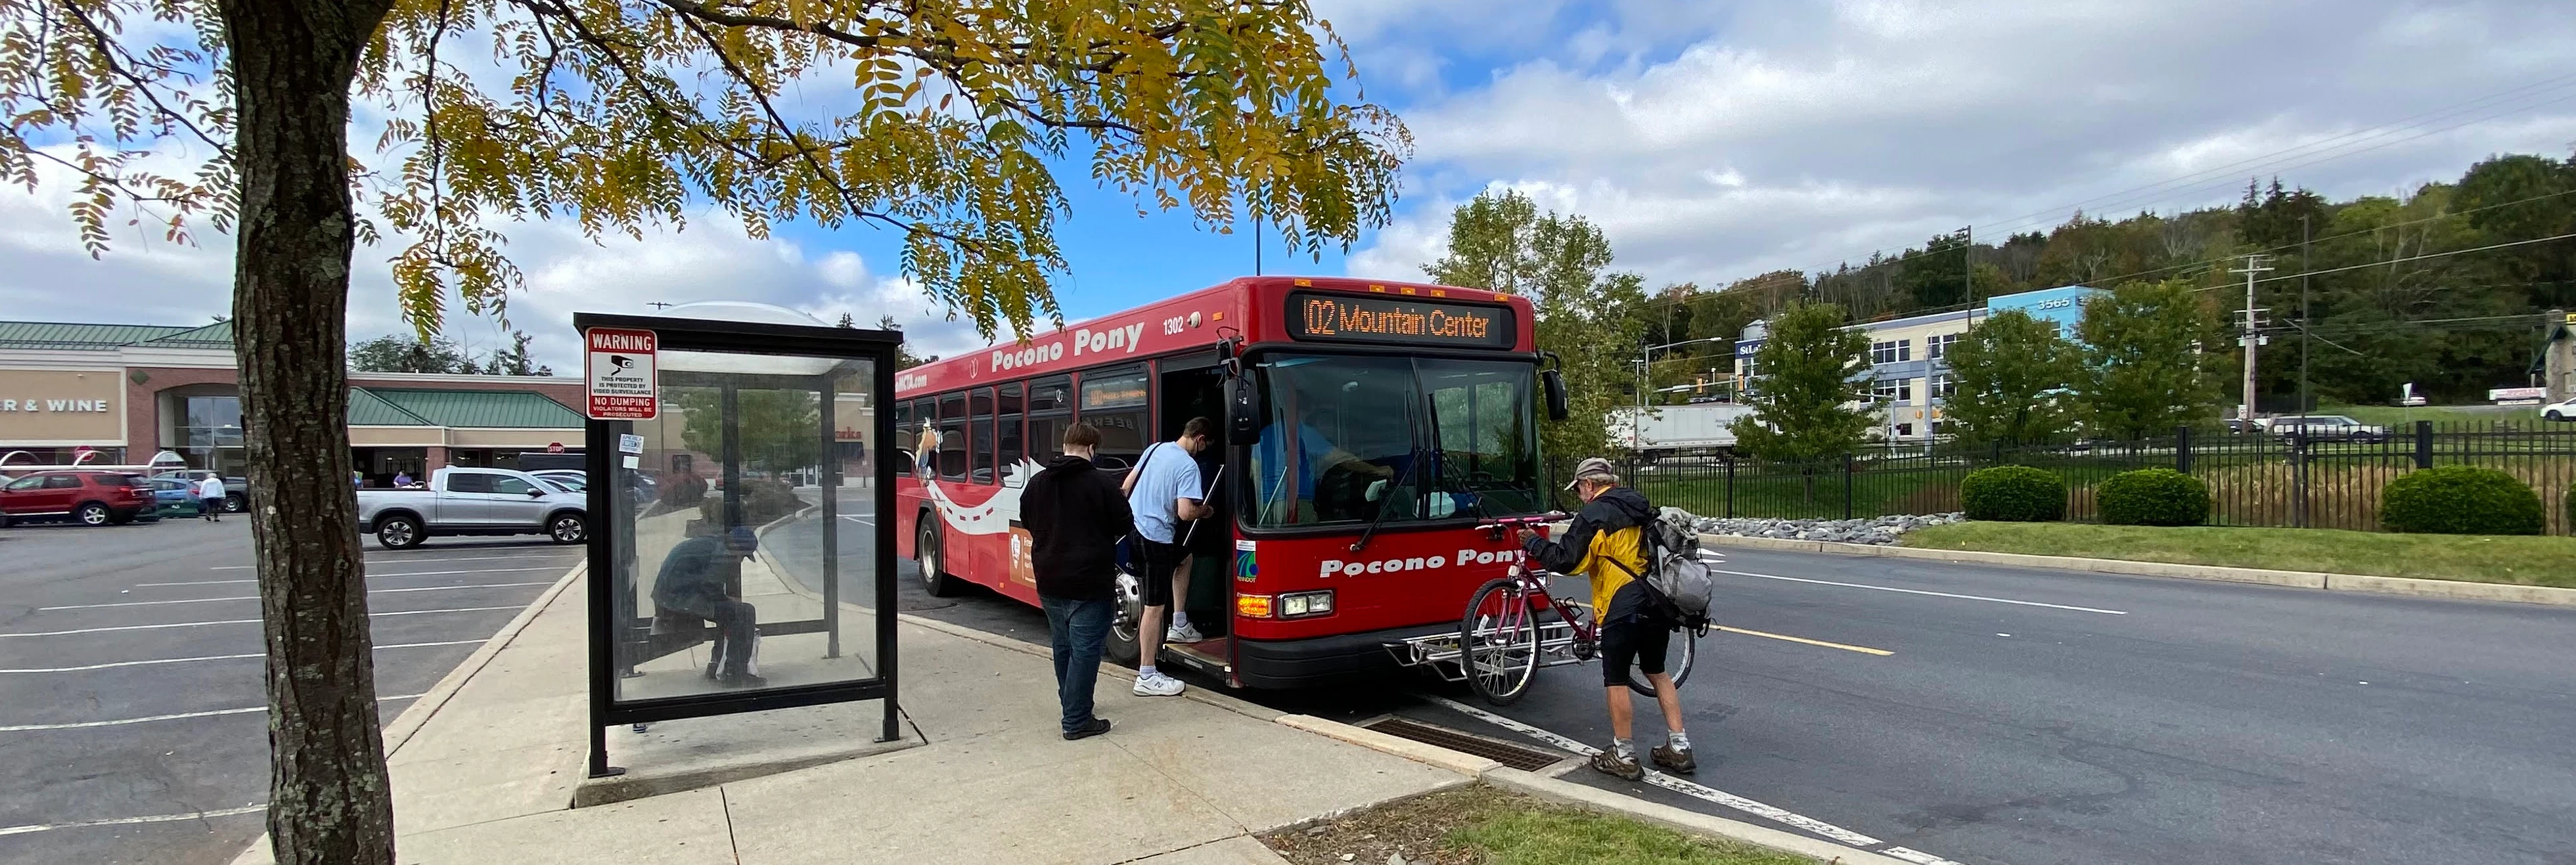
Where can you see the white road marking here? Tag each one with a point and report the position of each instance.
(235, 622)
(403, 574)
(1923, 592)
(859, 521)
(410, 561)
(21, 728)
(215, 658)
(256, 597)
(1916, 856)
(129, 821)
(1697, 790)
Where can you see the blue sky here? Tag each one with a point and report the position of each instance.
(1711, 141)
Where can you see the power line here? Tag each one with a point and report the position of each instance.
(2403, 260)
(2357, 233)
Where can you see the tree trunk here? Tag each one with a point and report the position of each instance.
(293, 63)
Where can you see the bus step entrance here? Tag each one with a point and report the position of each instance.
(1205, 655)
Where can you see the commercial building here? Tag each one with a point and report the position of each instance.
(132, 391)
(1909, 374)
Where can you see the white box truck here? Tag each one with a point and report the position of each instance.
(1660, 431)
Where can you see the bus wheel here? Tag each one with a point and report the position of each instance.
(927, 552)
(1129, 595)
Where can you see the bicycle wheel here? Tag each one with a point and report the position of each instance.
(1498, 642)
(1683, 649)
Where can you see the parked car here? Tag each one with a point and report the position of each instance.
(90, 498)
(2559, 410)
(2318, 427)
(579, 481)
(174, 495)
(236, 488)
(467, 501)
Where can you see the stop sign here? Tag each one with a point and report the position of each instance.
(554, 447)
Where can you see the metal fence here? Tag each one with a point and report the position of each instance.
(2254, 479)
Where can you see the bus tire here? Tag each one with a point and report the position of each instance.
(1127, 608)
(933, 559)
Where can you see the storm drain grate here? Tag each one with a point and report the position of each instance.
(1520, 757)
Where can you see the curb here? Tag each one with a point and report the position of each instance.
(2408, 586)
(1544, 786)
(1107, 669)
(1686, 821)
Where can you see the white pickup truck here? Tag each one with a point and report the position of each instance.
(463, 501)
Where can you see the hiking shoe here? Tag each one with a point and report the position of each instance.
(1609, 763)
(1097, 726)
(1182, 634)
(1675, 760)
(1159, 685)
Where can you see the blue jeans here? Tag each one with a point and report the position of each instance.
(1080, 630)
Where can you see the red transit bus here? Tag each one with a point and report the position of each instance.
(1414, 410)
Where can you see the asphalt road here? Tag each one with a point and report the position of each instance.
(2022, 716)
(95, 773)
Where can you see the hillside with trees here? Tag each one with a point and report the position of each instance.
(2442, 286)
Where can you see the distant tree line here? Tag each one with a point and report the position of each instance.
(402, 352)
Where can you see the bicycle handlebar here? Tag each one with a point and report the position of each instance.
(1531, 520)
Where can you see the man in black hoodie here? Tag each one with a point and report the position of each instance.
(1606, 544)
(1075, 515)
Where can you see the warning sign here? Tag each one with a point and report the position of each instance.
(620, 383)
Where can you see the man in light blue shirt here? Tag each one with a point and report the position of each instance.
(1165, 491)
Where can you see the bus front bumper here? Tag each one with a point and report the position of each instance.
(1322, 660)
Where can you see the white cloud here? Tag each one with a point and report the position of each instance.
(1713, 143)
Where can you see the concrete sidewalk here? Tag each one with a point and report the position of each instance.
(489, 774)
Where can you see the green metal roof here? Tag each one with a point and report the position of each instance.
(96, 337)
(368, 409)
(479, 408)
(216, 335)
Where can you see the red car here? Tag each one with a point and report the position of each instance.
(91, 498)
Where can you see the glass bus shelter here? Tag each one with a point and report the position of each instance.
(738, 559)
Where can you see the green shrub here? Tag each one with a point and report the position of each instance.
(2153, 497)
(2013, 493)
(2459, 500)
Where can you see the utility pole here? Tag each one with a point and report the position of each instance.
(1968, 259)
(2307, 400)
(2254, 264)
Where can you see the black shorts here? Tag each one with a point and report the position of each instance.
(1632, 641)
(1160, 560)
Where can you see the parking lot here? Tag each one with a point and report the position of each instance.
(132, 714)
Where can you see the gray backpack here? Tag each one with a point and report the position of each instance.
(1677, 582)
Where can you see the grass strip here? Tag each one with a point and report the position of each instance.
(2529, 561)
(1481, 825)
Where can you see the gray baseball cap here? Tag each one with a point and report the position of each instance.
(1593, 469)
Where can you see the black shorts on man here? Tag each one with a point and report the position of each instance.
(1160, 560)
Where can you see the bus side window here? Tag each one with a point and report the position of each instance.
(1008, 445)
(980, 439)
(1050, 411)
(1115, 401)
(952, 437)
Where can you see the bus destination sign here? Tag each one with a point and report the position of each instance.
(1362, 318)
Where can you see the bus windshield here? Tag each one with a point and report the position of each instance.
(1406, 439)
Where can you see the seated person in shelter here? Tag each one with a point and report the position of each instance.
(696, 579)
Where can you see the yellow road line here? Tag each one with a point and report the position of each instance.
(1861, 649)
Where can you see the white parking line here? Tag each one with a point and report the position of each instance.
(859, 521)
(1700, 791)
(564, 557)
(86, 667)
(21, 728)
(371, 575)
(129, 821)
(1923, 592)
(256, 597)
(236, 622)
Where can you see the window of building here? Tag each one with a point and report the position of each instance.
(1938, 347)
(1115, 401)
(1893, 351)
(1943, 386)
(1886, 390)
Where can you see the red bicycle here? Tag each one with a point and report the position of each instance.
(1513, 626)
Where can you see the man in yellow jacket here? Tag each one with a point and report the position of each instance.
(1606, 544)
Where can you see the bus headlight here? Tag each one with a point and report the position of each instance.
(1302, 604)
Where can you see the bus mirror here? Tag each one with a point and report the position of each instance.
(1554, 383)
(1242, 419)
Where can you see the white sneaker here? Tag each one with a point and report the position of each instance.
(1182, 634)
(1158, 685)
